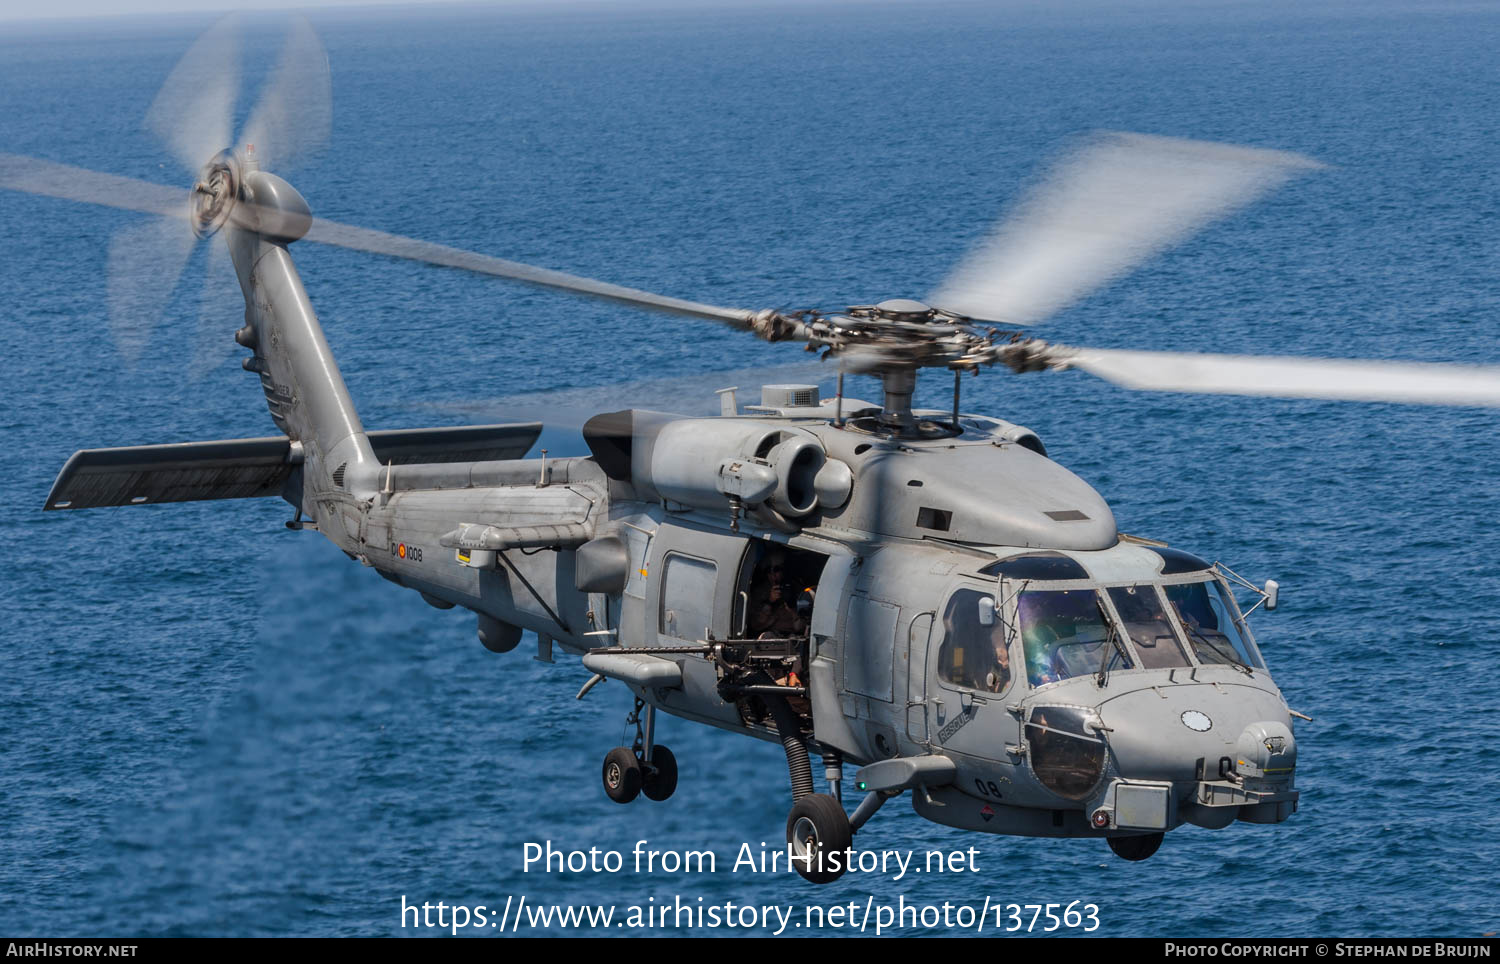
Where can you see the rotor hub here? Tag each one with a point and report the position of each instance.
(904, 309)
(215, 194)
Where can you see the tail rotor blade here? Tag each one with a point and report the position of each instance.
(193, 112)
(1421, 383)
(218, 304)
(1120, 200)
(145, 261)
(32, 175)
(294, 115)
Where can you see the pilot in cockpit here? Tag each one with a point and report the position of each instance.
(998, 677)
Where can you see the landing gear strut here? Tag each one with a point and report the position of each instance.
(817, 830)
(642, 767)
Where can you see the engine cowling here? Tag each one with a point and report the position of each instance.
(707, 463)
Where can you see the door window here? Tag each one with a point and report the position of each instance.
(687, 597)
(973, 656)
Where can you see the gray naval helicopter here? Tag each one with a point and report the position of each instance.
(921, 594)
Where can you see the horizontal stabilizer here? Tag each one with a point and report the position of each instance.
(182, 472)
(248, 468)
(465, 443)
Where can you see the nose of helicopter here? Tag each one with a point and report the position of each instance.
(1200, 732)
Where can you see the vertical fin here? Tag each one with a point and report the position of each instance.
(304, 389)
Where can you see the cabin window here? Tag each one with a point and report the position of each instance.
(1212, 629)
(1066, 754)
(1037, 567)
(687, 597)
(972, 655)
(1063, 634)
(1146, 623)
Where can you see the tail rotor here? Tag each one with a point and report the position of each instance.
(194, 115)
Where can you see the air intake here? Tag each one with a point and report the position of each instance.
(789, 396)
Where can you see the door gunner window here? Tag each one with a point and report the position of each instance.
(1146, 623)
(1062, 632)
(973, 656)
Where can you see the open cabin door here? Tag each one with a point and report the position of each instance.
(777, 592)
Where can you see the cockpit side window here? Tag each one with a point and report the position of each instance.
(1209, 622)
(1062, 632)
(973, 656)
(1147, 625)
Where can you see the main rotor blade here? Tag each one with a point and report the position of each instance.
(1422, 383)
(35, 176)
(564, 412)
(692, 395)
(1101, 212)
(396, 246)
(193, 113)
(295, 112)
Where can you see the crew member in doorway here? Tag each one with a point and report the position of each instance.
(773, 601)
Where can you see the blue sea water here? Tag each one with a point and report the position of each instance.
(210, 725)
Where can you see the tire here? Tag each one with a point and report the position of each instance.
(659, 778)
(622, 775)
(818, 828)
(1136, 848)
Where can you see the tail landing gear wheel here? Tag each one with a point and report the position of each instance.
(622, 775)
(819, 836)
(659, 777)
(1136, 848)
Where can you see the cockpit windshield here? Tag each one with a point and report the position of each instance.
(1211, 627)
(1147, 625)
(1063, 632)
(1068, 633)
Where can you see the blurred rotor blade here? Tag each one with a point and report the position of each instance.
(694, 395)
(35, 176)
(1422, 383)
(193, 113)
(564, 412)
(145, 261)
(294, 115)
(220, 307)
(1101, 212)
(396, 246)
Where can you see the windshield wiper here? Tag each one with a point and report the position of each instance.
(1228, 656)
(1112, 637)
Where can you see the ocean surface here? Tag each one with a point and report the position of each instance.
(210, 725)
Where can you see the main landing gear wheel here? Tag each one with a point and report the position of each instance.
(622, 775)
(1136, 848)
(659, 777)
(819, 835)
